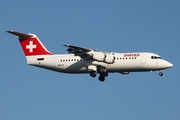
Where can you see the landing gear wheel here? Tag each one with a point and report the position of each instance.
(102, 77)
(106, 74)
(160, 74)
(93, 74)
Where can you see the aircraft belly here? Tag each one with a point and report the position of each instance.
(124, 65)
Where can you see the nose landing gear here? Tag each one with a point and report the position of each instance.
(160, 73)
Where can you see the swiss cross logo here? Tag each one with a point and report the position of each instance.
(31, 46)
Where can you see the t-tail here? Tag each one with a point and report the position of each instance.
(30, 44)
(32, 47)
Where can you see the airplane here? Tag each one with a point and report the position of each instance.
(86, 60)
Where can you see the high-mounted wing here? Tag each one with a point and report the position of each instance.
(96, 55)
(78, 51)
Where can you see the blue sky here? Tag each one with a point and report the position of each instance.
(28, 92)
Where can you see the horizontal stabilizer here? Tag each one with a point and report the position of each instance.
(20, 35)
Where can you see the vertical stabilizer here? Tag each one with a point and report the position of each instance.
(30, 44)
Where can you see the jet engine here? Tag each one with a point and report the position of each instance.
(101, 57)
(109, 59)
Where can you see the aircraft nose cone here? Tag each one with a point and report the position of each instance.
(169, 65)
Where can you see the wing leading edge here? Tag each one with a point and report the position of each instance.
(97, 55)
(76, 49)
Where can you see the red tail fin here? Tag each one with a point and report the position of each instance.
(30, 44)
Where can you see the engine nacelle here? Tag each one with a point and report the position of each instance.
(99, 57)
(109, 59)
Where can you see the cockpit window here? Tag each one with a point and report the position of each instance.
(155, 57)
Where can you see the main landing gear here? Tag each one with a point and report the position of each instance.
(93, 74)
(101, 75)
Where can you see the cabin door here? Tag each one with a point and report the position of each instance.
(143, 59)
(53, 62)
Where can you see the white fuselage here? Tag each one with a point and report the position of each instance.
(86, 60)
(124, 63)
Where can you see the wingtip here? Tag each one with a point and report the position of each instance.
(66, 45)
